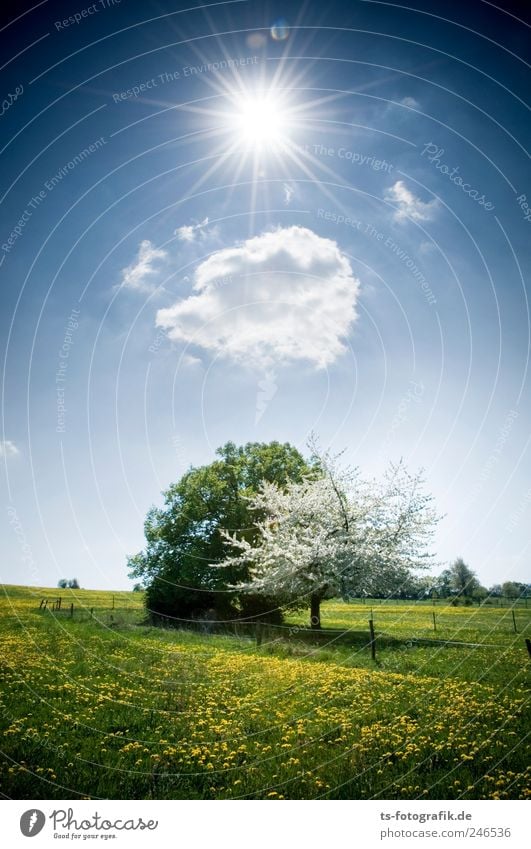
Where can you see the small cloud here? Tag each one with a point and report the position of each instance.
(136, 275)
(410, 102)
(292, 296)
(187, 360)
(8, 448)
(191, 232)
(408, 205)
(289, 191)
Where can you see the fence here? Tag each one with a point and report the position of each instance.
(268, 633)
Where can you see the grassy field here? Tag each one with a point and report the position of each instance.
(101, 706)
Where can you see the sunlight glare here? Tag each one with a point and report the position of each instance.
(260, 121)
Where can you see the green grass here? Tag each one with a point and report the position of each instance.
(102, 706)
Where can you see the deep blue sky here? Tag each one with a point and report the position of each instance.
(188, 276)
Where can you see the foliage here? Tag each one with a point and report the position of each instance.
(186, 535)
(145, 713)
(334, 535)
(463, 579)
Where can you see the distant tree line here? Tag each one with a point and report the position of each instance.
(68, 583)
(459, 583)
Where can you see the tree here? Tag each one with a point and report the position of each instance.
(463, 579)
(73, 584)
(62, 583)
(513, 589)
(185, 536)
(334, 535)
(443, 584)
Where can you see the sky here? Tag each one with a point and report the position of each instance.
(251, 221)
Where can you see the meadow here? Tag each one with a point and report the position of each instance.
(100, 705)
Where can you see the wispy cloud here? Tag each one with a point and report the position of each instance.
(289, 191)
(8, 448)
(139, 274)
(410, 102)
(292, 296)
(408, 206)
(192, 232)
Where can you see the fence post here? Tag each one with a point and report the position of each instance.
(113, 602)
(41, 604)
(59, 600)
(71, 610)
(434, 622)
(373, 640)
(528, 644)
(92, 613)
(514, 621)
(45, 603)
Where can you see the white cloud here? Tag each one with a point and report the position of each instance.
(8, 448)
(291, 296)
(410, 101)
(137, 275)
(408, 205)
(190, 232)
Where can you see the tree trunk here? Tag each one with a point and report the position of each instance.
(315, 612)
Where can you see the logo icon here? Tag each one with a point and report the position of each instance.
(32, 822)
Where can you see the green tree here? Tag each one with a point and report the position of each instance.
(463, 579)
(185, 536)
(62, 583)
(513, 589)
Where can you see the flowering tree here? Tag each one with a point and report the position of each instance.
(333, 535)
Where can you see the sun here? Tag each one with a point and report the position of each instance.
(260, 121)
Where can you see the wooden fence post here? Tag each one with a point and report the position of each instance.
(71, 610)
(528, 644)
(41, 604)
(514, 622)
(434, 622)
(373, 639)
